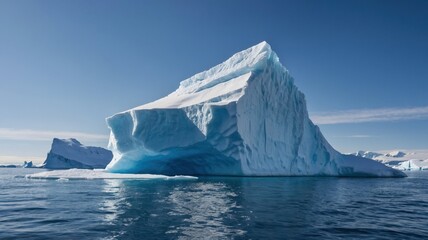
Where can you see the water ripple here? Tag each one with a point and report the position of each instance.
(214, 208)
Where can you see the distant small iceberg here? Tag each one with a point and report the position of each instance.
(70, 153)
(28, 164)
(8, 166)
(403, 160)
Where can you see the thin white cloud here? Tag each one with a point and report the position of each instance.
(360, 136)
(20, 159)
(356, 136)
(36, 135)
(370, 115)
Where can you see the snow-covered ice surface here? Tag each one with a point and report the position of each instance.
(64, 175)
(404, 160)
(244, 116)
(70, 153)
(412, 165)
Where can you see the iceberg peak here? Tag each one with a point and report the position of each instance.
(69, 141)
(239, 64)
(220, 82)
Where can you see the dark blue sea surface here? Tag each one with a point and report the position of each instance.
(214, 208)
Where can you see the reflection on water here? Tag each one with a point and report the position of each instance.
(111, 205)
(291, 208)
(206, 209)
(214, 208)
(178, 209)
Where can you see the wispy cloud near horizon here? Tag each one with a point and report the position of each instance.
(360, 136)
(37, 135)
(20, 159)
(370, 115)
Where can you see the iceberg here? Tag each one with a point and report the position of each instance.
(243, 117)
(396, 154)
(412, 165)
(367, 154)
(70, 153)
(404, 160)
(27, 164)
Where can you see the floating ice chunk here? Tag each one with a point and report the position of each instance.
(62, 180)
(60, 175)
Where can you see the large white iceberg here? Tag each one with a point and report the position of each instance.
(70, 153)
(244, 116)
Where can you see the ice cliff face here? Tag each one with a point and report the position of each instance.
(244, 116)
(70, 153)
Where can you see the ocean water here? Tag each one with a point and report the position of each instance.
(214, 208)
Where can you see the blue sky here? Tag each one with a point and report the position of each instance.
(67, 65)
